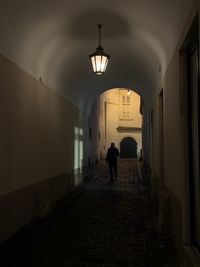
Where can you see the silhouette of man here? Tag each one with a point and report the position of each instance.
(111, 158)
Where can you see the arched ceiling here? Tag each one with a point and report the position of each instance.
(52, 40)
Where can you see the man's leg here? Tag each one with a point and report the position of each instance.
(111, 172)
(115, 171)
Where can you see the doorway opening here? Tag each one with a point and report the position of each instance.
(128, 148)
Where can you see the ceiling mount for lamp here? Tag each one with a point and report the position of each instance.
(99, 58)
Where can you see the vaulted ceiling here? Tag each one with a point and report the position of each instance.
(52, 40)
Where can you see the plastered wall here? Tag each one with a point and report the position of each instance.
(173, 191)
(37, 144)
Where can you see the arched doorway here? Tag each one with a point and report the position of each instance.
(128, 148)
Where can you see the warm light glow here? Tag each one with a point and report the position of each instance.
(93, 64)
(128, 92)
(99, 64)
(119, 118)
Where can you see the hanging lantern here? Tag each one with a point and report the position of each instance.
(99, 58)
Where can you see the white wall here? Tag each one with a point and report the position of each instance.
(37, 130)
(39, 145)
(175, 186)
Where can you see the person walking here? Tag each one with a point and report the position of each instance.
(111, 159)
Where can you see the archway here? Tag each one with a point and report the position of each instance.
(128, 148)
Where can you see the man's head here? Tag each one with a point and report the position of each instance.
(112, 145)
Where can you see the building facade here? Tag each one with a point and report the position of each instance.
(116, 117)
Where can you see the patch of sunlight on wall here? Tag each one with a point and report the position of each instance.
(78, 155)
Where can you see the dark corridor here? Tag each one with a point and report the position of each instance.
(100, 224)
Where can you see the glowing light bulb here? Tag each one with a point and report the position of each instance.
(128, 92)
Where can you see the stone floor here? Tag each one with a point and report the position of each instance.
(108, 224)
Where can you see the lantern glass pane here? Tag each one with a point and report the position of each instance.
(103, 63)
(106, 63)
(98, 63)
(93, 64)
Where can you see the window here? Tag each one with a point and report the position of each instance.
(125, 107)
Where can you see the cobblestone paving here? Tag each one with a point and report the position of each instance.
(107, 226)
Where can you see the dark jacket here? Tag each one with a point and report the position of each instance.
(112, 155)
